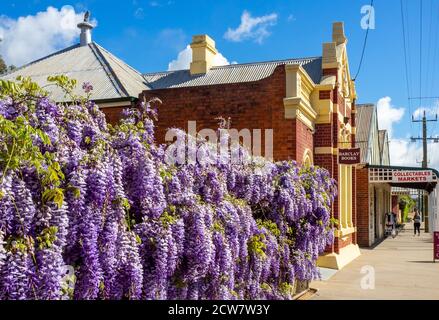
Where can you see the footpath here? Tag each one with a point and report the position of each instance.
(396, 269)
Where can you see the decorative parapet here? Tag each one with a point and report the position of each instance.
(331, 56)
(324, 107)
(299, 87)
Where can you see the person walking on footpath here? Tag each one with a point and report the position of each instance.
(417, 222)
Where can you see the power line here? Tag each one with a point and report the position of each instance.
(405, 54)
(424, 98)
(427, 76)
(364, 46)
(433, 78)
(420, 52)
(433, 71)
(406, 37)
(424, 138)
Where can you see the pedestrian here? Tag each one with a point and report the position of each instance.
(417, 222)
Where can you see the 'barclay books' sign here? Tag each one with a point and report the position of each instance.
(349, 156)
(412, 176)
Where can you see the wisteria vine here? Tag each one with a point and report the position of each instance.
(79, 194)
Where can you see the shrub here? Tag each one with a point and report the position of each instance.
(77, 193)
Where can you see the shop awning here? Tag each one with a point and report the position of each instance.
(404, 177)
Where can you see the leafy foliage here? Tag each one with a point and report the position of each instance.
(76, 191)
(406, 204)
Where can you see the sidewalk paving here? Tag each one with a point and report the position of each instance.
(404, 269)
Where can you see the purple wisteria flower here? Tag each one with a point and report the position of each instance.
(87, 87)
(102, 201)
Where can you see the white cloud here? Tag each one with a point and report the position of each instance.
(184, 60)
(406, 153)
(403, 152)
(35, 36)
(255, 28)
(430, 112)
(388, 115)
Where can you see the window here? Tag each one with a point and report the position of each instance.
(307, 158)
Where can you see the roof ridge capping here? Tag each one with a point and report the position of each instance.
(116, 58)
(126, 77)
(232, 65)
(365, 105)
(269, 61)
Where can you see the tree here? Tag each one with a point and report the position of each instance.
(3, 66)
(406, 205)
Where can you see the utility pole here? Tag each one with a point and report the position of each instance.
(424, 200)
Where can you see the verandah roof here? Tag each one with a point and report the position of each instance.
(427, 186)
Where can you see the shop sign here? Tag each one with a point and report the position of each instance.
(349, 156)
(412, 176)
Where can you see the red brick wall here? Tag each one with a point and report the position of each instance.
(325, 94)
(323, 135)
(304, 140)
(330, 72)
(113, 114)
(340, 243)
(354, 204)
(362, 207)
(254, 105)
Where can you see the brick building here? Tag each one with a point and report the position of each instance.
(378, 187)
(308, 102)
(373, 199)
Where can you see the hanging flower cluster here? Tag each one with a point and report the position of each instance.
(79, 194)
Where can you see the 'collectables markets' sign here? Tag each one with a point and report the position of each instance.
(349, 156)
(436, 246)
(408, 176)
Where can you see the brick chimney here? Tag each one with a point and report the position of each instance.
(203, 54)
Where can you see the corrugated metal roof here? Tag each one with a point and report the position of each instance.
(382, 138)
(363, 122)
(234, 73)
(384, 146)
(131, 79)
(111, 78)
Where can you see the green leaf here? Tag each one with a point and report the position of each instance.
(55, 195)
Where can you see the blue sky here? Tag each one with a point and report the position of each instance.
(149, 34)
